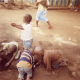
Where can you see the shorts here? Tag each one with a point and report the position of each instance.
(41, 15)
(27, 44)
(22, 71)
(56, 66)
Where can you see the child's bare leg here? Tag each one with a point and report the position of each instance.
(49, 25)
(28, 78)
(36, 24)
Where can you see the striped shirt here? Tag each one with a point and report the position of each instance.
(26, 56)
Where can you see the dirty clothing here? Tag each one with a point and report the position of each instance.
(52, 57)
(24, 64)
(6, 48)
(26, 60)
(22, 71)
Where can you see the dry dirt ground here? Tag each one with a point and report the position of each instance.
(64, 36)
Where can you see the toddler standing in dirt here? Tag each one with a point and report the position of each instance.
(26, 35)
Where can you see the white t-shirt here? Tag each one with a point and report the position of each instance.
(26, 33)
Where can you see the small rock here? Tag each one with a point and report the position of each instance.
(74, 74)
(53, 72)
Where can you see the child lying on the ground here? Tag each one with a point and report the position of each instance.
(25, 65)
(11, 48)
(51, 58)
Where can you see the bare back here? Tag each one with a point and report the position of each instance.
(52, 57)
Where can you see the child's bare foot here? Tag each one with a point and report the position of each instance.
(47, 73)
(50, 27)
(35, 25)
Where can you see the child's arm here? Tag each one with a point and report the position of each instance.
(39, 61)
(8, 63)
(17, 26)
(37, 2)
(1, 50)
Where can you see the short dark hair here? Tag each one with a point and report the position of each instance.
(28, 17)
(13, 48)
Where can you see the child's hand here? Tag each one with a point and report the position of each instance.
(7, 64)
(13, 24)
(37, 64)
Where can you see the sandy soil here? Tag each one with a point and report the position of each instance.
(64, 36)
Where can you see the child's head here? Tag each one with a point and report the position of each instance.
(39, 51)
(12, 48)
(27, 18)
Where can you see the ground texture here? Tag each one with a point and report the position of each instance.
(64, 36)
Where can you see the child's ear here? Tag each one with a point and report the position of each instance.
(31, 50)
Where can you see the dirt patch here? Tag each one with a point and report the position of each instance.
(64, 36)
